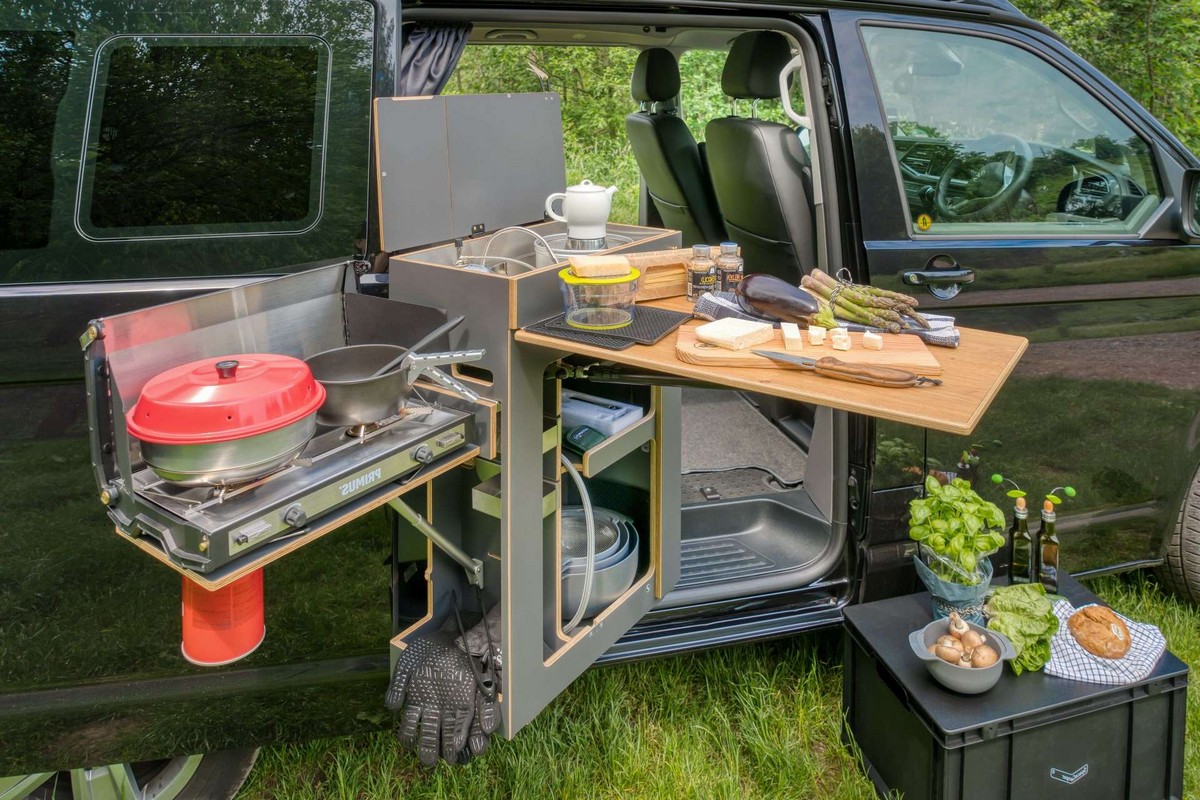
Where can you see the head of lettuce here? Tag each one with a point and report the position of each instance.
(1023, 613)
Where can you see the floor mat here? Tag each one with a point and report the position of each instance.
(722, 430)
(702, 487)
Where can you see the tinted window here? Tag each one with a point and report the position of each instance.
(991, 138)
(34, 66)
(199, 137)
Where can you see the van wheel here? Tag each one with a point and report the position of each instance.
(1181, 572)
(213, 776)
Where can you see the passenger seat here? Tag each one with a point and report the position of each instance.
(760, 172)
(667, 154)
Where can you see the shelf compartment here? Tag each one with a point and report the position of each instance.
(599, 458)
(486, 497)
(551, 433)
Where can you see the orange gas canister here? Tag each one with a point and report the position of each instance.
(222, 626)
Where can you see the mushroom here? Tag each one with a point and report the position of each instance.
(948, 654)
(972, 639)
(984, 656)
(965, 660)
(933, 649)
(950, 641)
(957, 625)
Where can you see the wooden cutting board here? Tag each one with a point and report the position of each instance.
(903, 351)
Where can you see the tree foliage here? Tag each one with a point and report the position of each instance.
(1151, 48)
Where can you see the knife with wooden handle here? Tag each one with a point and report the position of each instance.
(869, 374)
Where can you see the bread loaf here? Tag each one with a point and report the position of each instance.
(1100, 631)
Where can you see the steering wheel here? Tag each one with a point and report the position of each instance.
(986, 191)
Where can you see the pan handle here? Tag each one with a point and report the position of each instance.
(437, 376)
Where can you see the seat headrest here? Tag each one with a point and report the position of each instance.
(753, 65)
(655, 76)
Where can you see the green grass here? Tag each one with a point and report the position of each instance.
(757, 721)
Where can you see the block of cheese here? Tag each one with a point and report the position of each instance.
(841, 343)
(735, 334)
(816, 335)
(836, 332)
(791, 336)
(872, 341)
(599, 266)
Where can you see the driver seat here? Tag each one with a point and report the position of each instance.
(760, 171)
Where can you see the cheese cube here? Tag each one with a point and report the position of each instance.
(816, 335)
(841, 343)
(735, 334)
(791, 336)
(872, 341)
(599, 266)
(839, 331)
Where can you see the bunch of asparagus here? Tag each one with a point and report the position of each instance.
(866, 305)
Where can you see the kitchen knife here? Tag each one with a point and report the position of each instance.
(869, 374)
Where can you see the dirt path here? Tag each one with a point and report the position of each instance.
(1167, 359)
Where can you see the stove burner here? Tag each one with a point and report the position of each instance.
(370, 428)
(359, 431)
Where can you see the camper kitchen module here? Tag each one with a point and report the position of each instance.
(323, 349)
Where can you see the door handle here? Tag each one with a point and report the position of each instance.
(939, 277)
(942, 276)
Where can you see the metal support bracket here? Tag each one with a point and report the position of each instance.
(472, 566)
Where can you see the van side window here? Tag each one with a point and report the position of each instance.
(34, 67)
(195, 137)
(991, 139)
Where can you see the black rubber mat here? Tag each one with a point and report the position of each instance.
(582, 337)
(719, 558)
(649, 324)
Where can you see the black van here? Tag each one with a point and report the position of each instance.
(151, 151)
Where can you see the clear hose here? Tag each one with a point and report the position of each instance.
(590, 526)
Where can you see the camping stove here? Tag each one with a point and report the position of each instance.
(204, 527)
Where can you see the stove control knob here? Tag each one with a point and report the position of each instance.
(294, 516)
(422, 454)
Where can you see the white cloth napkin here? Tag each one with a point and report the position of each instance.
(1069, 660)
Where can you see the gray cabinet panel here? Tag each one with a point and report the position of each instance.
(450, 164)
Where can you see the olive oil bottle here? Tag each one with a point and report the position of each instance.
(1020, 545)
(1048, 549)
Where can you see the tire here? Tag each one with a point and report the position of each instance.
(213, 776)
(1181, 571)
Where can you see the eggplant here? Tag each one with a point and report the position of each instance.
(763, 294)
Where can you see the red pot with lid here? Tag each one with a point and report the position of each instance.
(226, 420)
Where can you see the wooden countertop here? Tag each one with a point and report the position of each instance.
(972, 374)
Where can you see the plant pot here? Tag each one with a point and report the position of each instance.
(948, 596)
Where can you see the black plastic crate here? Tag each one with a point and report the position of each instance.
(1033, 736)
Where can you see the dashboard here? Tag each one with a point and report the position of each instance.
(1066, 184)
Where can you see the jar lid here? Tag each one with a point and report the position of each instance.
(571, 279)
(219, 399)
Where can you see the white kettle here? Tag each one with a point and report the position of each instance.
(585, 208)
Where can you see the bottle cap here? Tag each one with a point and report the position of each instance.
(701, 250)
(1021, 503)
(1047, 507)
(729, 248)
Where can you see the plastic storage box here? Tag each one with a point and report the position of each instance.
(1033, 736)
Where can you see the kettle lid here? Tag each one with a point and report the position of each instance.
(586, 186)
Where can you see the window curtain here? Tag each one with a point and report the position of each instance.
(428, 55)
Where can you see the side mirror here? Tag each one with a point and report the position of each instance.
(1190, 204)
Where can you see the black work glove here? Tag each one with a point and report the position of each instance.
(413, 694)
(442, 710)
